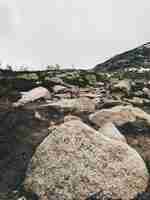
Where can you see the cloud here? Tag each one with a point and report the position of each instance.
(9, 17)
(71, 32)
(6, 25)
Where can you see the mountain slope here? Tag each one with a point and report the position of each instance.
(138, 57)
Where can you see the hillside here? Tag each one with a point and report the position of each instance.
(135, 58)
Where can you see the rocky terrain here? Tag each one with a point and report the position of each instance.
(74, 135)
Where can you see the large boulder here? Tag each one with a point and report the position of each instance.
(132, 122)
(75, 161)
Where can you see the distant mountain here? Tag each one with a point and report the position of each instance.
(135, 58)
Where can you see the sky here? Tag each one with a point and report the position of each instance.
(79, 33)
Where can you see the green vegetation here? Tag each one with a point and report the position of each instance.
(131, 75)
(82, 78)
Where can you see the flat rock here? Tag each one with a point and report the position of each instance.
(76, 105)
(108, 103)
(119, 115)
(136, 101)
(33, 95)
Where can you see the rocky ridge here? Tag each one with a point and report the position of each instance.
(138, 58)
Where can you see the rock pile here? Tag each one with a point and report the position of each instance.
(70, 143)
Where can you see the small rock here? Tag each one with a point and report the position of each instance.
(70, 118)
(108, 103)
(100, 84)
(146, 92)
(109, 130)
(138, 93)
(124, 86)
(136, 101)
(143, 196)
(57, 81)
(59, 89)
(100, 196)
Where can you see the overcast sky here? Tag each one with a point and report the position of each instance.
(71, 32)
